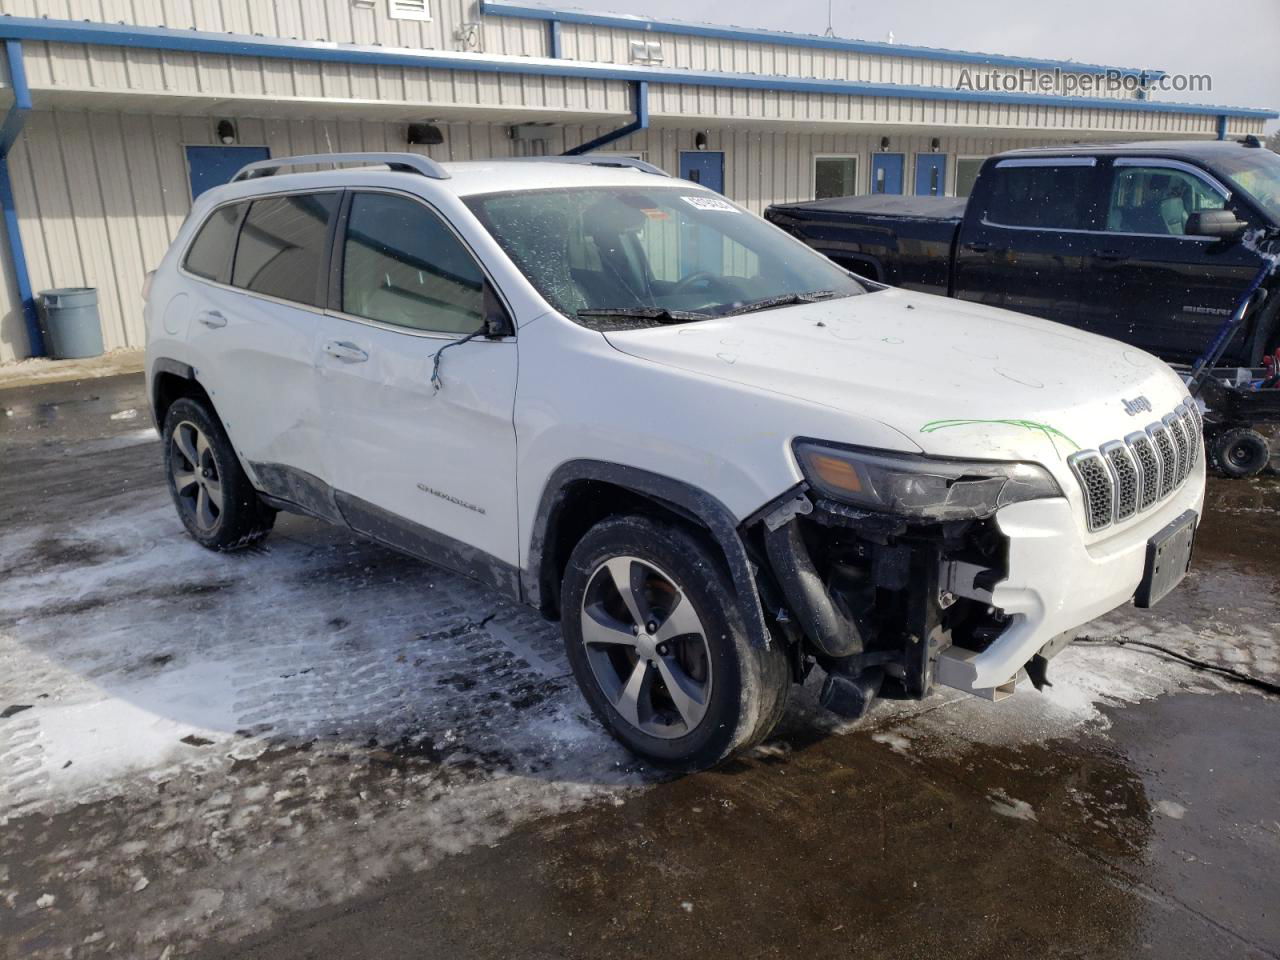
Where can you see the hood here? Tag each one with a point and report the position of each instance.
(958, 378)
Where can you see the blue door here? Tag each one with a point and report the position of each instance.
(886, 172)
(210, 167)
(931, 174)
(705, 167)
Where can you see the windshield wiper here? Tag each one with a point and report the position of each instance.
(659, 314)
(782, 300)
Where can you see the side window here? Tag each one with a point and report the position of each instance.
(209, 255)
(1039, 196)
(1157, 200)
(281, 252)
(402, 265)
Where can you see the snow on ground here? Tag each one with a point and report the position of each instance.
(196, 743)
(279, 728)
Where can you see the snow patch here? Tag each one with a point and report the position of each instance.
(1170, 808)
(1008, 806)
(894, 741)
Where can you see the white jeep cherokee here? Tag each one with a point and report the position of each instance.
(715, 456)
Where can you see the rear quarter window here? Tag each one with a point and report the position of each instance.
(209, 255)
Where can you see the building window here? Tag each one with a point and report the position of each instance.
(967, 173)
(834, 177)
(646, 51)
(409, 9)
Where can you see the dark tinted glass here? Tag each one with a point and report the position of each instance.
(402, 265)
(1049, 197)
(210, 252)
(281, 248)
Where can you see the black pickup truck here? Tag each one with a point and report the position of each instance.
(1150, 243)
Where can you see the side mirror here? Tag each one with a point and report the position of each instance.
(1215, 223)
(497, 322)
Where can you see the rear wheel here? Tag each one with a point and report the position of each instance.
(215, 500)
(1241, 452)
(657, 643)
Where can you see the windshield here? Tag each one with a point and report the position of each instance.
(1257, 173)
(623, 255)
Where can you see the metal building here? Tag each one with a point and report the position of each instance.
(118, 110)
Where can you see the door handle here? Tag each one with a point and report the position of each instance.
(345, 351)
(1111, 255)
(978, 246)
(211, 319)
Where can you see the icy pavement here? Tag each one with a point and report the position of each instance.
(194, 747)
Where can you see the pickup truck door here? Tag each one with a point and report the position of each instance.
(1149, 283)
(1025, 236)
(425, 466)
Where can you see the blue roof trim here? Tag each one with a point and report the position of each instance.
(501, 8)
(225, 44)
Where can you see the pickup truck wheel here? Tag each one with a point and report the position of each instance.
(215, 500)
(657, 644)
(1241, 452)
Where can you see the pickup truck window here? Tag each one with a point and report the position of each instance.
(1039, 195)
(653, 251)
(1157, 200)
(1257, 173)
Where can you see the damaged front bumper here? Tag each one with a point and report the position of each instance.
(1055, 583)
(967, 604)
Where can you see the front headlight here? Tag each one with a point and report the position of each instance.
(924, 487)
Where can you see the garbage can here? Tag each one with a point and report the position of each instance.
(71, 325)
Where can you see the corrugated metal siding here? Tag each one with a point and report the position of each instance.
(611, 45)
(101, 196)
(339, 21)
(64, 66)
(683, 101)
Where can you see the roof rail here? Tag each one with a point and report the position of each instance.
(587, 159)
(400, 162)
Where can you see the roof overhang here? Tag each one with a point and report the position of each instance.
(221, 44)
(524, 11)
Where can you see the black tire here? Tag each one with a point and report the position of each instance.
(1241, 452)
(240, 518)
(749, 686)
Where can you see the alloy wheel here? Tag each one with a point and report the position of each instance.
(196, 479)
(646, 647)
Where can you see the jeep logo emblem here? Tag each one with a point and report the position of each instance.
(1136, 406)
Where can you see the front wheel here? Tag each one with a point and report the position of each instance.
(657, 643)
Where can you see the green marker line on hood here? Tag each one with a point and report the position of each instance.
(1049, 431)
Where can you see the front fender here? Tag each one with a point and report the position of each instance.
(539, 575)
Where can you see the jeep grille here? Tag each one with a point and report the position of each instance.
(1125, 477)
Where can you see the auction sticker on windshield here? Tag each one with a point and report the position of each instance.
(711, 203)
